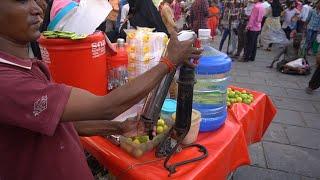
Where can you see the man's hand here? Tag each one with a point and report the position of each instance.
(181, 52)
(132, 127)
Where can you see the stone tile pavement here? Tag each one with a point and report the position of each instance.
(290, 149)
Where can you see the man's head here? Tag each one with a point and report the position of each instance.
(21, 20)
(292, 4)
(307, 2)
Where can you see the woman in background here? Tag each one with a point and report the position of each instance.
(272, 33)
(213, 21)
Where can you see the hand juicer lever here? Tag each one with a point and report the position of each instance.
(173, 139)
(152, 108)
(151, 113)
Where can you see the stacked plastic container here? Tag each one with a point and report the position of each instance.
(118, 66)
(212, 74)
(145, 49)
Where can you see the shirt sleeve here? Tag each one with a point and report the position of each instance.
(31, 103)
(309, 16)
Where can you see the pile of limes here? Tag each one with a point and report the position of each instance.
(161, 126)
(140, 139)
(63, 35)
(235, 96)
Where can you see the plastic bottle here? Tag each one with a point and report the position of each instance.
(118, 72)
(212, 75)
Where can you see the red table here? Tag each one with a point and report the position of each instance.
(227, 147)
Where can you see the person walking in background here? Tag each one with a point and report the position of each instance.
(243, 20)
(168, 16)
(306, 8)
(230, 23)
(199, 15)
(314, 83)
(299, 5)
(271, 31)
(213, 21)
(177, 10)
(267, 8)
(313, 26)
(288, 16)
(254, 28)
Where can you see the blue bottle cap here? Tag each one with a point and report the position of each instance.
(215, 64)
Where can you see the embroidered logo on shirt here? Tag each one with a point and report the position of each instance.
(40, 105)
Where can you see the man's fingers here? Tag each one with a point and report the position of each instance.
(195, 56)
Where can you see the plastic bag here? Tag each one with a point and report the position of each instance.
(272, 33)
(85, 18)
(297, 67)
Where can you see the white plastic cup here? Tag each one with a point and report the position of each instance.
(192, 135)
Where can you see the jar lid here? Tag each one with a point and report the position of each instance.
(204, 33)
(215, 64)
(169, 106)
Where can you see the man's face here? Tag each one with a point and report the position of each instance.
(20, 20)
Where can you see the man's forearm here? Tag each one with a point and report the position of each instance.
(95, 128)
(83, 105)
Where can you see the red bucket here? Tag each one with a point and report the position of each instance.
(80, 63)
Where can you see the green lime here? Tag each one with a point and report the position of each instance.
(239, 99)
(143, 139)
(161, 122)
(159, 129)
(136, 141)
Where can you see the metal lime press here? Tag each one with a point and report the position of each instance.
(152, 108)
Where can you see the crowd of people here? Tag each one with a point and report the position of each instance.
(291, 25)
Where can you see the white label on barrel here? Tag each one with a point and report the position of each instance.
(45, 55)
(98, 48)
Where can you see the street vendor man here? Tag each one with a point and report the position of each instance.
(38, 138)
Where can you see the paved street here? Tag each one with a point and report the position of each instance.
(290, 149)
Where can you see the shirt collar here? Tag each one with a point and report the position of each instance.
(15, 61)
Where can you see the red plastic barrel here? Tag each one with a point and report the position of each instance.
(78, 63)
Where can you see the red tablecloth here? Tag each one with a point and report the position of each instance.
(227, 147)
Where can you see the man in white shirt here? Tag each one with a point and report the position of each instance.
(249, 7)
(267, 6)
(288, 15)
(305, 12)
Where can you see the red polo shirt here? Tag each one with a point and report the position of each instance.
(33, 143)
